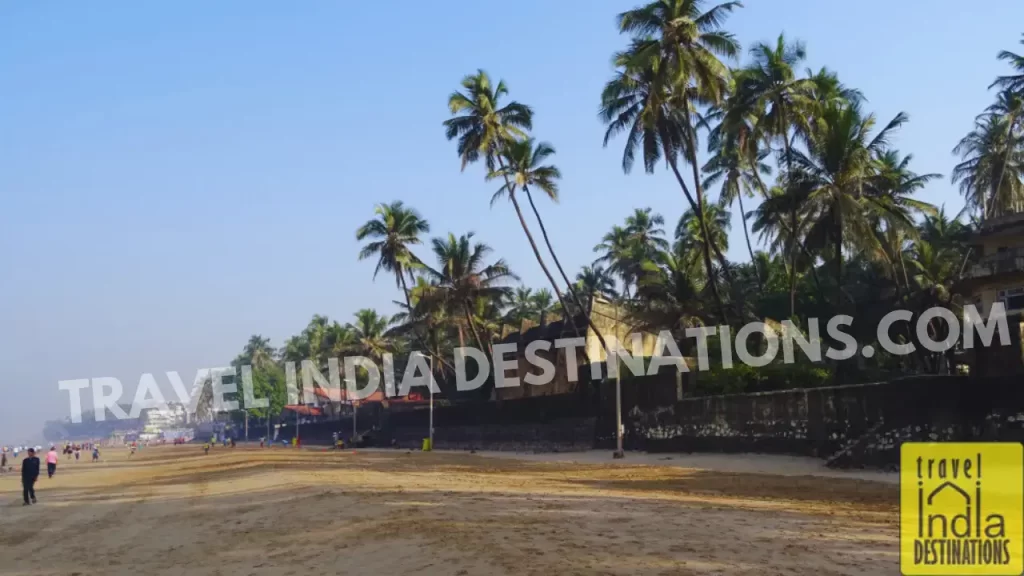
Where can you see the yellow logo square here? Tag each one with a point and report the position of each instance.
(962, 508)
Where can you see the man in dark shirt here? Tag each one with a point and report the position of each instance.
(29, 474)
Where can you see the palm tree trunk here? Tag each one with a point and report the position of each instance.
(750, 248)
(547, 241)
(1002, 172)
(837, 216)
(709, 243)
(466, 308)
(705, 252)
(814, 270)
(533, 245)
(551, 280)
(793, 231)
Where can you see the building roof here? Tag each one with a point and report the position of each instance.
(341, 395)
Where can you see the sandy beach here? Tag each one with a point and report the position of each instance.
(246, 511)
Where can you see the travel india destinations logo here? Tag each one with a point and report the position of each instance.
(961, 508)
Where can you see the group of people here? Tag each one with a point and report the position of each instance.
(30, 465)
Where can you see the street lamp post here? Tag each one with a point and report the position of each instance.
(430, 387)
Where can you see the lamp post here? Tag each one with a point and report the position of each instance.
(430, 387)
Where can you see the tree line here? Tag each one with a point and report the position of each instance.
(837, 227)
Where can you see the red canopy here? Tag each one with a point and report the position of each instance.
(341, 395)
(305, 410)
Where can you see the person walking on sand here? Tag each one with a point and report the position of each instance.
(95, 453)
(76, 454)
(29, 475)
(51, 462)
(206, 448)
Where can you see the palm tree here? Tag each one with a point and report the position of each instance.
(480, 124)
(621, 256)
(394, 231)
(670, 69)
(1013, 82)
(543, 301)
(595, 281)
(689, 241)
(257, 352)
(462, 276)
(992, 170)
(645, 231)
(486, 130)
(780, 101)
(524, 167)
(837, 168)
(370, 332)
(739, 171)
(521, 306)
(670, 298)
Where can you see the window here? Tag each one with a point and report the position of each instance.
(1012, 299)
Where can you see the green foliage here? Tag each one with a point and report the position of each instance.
(775, 376)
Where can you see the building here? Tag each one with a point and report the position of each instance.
(998, 276)
(614, 325)
(155, 420)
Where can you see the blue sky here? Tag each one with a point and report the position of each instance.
(177, 176)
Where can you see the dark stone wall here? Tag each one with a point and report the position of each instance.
(856, 425)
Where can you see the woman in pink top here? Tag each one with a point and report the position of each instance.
(51, 461)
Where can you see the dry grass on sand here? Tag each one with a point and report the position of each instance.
(243, 511)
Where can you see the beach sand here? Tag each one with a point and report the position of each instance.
(280, 511)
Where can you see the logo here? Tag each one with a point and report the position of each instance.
(962, 508)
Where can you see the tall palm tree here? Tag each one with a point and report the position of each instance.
(740, 174)
(837, 168)
(394, 230)
(462, 276)
(485, 130)
(480, 123)
(780, 101)
(991, 175)
(524, 167)
(671, 68)
(1013, 82)
(1009, 108)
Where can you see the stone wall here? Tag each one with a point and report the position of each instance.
(849, 425)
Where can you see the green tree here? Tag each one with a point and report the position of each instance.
(462, 276)
(670, 70)
(394, 231)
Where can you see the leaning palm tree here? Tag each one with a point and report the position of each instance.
(671, 68)
(485, 130)
(522, 168)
